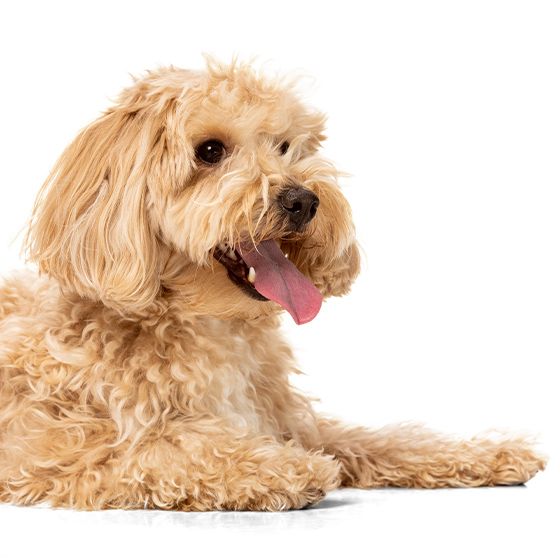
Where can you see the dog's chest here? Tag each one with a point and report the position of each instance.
(224, 368)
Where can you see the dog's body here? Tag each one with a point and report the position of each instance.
(140, 371)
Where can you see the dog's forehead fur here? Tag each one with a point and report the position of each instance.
(231, 102)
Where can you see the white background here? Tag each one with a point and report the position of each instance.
(447, 116)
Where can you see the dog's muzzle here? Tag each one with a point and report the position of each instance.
(300, 205)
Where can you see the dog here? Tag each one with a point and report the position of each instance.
(142, 365)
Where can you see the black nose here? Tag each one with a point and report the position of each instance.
(300, 205)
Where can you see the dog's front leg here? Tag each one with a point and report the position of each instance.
(413, 457)
(186, 471)
(204, 472)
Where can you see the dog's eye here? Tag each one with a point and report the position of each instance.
(284, 147)
(211, 152)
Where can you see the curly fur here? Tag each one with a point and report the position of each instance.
(134, 373)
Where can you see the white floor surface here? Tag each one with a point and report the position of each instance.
(516, 522)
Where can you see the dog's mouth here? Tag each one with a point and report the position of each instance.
(238, 270)
(264, 273)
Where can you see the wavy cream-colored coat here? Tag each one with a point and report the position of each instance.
(134, 373)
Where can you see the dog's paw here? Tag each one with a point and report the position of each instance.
(276, 500)
(516, 462)
(294, 483)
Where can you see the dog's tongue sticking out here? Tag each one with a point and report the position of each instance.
(279, 280)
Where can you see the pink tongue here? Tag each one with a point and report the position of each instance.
(279, 280)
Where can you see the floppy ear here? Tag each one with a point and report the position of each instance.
(333, 275)
(90, 228)
(337, 278)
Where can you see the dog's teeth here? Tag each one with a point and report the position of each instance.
(252, 275)
(231, 254)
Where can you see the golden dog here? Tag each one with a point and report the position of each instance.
(143, 367)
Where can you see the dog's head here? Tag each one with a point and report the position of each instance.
(204, 188)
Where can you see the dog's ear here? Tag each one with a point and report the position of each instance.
(334, 275)
(90, 228)
(337, 278)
